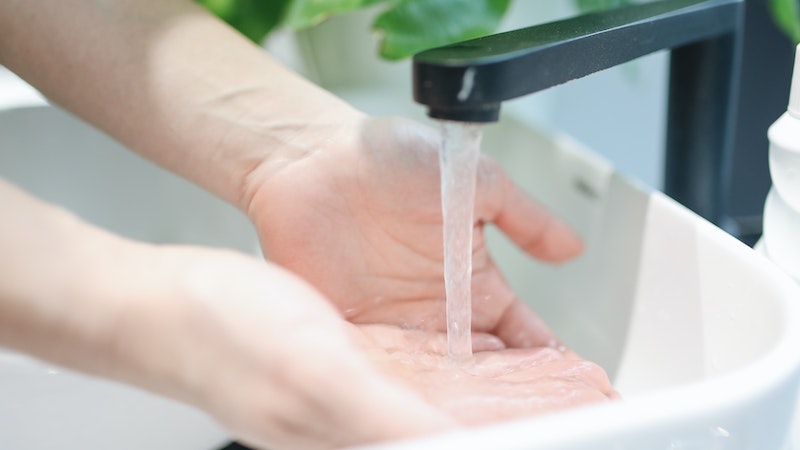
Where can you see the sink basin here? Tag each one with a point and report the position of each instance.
(699, 333)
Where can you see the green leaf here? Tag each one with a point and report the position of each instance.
(415, 25)
(307, 13)
(253, 18)
(786, 14)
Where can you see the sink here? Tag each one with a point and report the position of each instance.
(700, 333)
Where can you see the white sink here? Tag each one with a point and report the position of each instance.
(700, 333)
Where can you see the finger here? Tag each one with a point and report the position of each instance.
(437, 343)
(508, 362)
(503, 401)
(485, 342)
(534, 229)
(520, 327)
(534, 365)
(392, 338)
(498, 311)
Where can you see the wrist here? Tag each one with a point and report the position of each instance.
(273, 144)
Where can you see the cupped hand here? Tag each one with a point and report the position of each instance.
(360, 218)
(260, 350)
(496, 384)
(270, 358)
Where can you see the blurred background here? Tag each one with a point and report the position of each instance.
(620, 113)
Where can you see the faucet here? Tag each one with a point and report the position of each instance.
(468, 81)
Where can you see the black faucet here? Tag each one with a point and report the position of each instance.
(469, 80)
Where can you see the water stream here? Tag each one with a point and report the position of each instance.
(458, 159)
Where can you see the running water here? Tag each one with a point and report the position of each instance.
(458, 159)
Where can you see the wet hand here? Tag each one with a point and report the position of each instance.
(249, 342)
(269, 357)
(261, 351)
(495, 384)
(361, 220)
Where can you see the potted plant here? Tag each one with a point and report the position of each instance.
(405, 27)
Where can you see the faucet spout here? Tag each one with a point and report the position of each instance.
(468, 81)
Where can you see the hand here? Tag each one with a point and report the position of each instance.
(497, 384)
(262, 351)
(361, 220)
(249, 342)
(270, 358)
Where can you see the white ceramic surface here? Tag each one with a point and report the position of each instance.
(700, 333)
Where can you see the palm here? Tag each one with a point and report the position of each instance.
(497, 385)
(361, 220)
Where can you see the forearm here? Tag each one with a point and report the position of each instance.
(247, 342)
(49, 262)
(82, 298)
(85, 299)
(171, 82)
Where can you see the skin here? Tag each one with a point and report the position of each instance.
(246, 341)
(251, 343)
(375, 208)
(347, 210)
